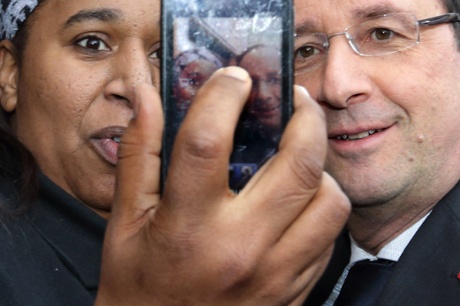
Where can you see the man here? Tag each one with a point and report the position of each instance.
(389, 87)
(261, 125)
(264, 102)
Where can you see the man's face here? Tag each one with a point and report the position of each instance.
(263, 65)
(400, 112)
(75, 88)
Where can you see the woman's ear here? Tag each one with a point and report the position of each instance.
(8, 76)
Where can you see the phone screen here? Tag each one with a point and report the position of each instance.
(202, 36)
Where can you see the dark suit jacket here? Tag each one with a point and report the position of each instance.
(428, 272)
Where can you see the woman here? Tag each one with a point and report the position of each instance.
(191, 69)
(75, 82)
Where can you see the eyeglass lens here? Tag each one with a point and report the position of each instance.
(372, 37)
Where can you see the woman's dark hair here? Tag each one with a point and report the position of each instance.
(18, 174)
(20, 39)
(18, 170)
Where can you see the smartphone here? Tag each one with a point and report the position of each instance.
(202, 36)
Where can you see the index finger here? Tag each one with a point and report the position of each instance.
(198, 172)
(287, 183)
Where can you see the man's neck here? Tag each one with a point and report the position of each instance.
(373, 228)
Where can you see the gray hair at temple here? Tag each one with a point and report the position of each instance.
(453, 6)
(13, 13)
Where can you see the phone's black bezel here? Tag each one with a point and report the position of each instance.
(167, 62)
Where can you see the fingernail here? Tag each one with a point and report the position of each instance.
(304, 90)
(235, 72)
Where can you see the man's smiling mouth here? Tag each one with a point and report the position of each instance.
(358, 136)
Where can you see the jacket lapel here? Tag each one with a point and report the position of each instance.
(339, 260)
(427, 272)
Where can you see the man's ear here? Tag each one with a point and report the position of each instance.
(8, 76)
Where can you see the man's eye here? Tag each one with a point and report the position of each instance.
(306, 51)
(382, 34)
(93, 43)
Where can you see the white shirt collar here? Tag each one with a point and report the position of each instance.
(391, 251)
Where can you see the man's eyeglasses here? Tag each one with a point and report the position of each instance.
(377, 36)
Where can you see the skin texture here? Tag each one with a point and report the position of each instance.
(228, 246)
(79, 84)
(394, 177)
(197, 243)
(265, 98)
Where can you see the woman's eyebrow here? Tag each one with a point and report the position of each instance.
(103, 14)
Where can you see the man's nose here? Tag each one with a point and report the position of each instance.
(264, 90)
(345, 79)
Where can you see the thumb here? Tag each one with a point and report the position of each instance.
(138, 169)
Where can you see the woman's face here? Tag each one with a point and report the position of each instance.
(75, 88)
(190, 80)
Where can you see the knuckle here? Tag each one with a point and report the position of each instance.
(342, 209)
(203, 145)
(237, 270)
(336, 204)
(307, 169)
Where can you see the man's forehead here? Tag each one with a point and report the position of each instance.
(312, 15)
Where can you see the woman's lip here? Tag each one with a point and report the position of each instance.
(105, 144)
(107, 149)
(109, 132)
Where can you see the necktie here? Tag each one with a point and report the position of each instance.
(364, 283)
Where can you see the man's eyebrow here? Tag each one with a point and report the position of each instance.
(374, 11)
(304, 27)
(104, 14)
(308, 26)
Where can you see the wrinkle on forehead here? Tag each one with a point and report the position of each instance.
(314, 16)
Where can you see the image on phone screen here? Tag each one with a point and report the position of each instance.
(205, 37)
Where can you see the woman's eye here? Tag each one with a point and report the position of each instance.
(196, 79)
(306, 51)
(155, 55)
(274, 81)
(93, 43)
(382, 34)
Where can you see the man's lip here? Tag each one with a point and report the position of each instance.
(355, 132)
(106, 141)
(267, 108)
